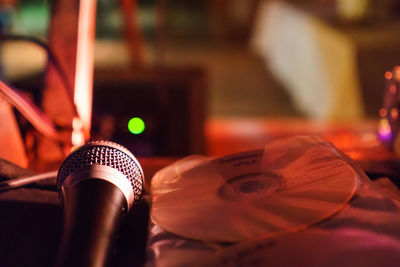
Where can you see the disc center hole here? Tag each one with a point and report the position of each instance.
(251, 187)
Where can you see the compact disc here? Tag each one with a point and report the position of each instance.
(290, 185)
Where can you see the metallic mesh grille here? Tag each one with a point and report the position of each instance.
(107, 156)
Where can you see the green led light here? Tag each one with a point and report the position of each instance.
(136, 125)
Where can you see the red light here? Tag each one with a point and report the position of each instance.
(382, 112)
(388, 75)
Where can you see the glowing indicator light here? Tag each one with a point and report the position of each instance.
(385, 131)
(382, 112)
(136, 125)
(388, 75)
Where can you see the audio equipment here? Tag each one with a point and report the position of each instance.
(170, 102)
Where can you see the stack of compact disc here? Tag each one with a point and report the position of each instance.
(290, 185)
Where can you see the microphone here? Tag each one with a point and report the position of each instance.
(98, 183)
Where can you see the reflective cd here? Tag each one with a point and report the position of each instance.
(290, 185)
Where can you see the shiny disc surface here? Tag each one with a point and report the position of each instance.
(289, 186)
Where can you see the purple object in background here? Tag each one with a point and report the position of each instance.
(389, 113)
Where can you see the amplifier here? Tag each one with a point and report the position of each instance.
(152, 112)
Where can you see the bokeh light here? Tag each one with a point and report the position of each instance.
(136, 125)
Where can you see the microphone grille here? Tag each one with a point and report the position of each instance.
(104, 153)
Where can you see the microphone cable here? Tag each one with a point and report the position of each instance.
(22, 181)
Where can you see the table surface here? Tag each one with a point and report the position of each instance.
(34, 215)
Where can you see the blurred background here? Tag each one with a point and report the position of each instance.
(210, 76)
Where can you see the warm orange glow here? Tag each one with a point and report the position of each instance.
(383, 123)
(382, 112)
(397, 73)
(84, 64)
(394, 113)
(384, 128)
(78, 139)
(227, 136)
(388, 75)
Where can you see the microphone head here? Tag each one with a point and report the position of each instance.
(103, 160)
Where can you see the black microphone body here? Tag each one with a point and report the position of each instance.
(98, 183)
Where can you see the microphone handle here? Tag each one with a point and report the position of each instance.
(92, 210)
